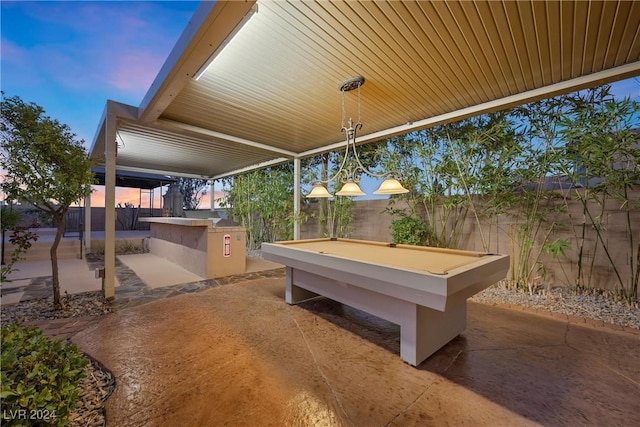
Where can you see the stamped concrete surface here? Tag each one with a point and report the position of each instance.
(238, 355)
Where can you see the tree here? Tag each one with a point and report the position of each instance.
(192, 190)
(605, 152)
(44, 165)
(262, 201)
(335, 213)
(448, 169)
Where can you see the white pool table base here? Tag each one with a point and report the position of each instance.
(423, 330)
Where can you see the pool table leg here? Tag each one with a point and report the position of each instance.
(424, 331)
(295, 294)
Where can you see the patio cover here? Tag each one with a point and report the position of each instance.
(128, 179)
(271, 92)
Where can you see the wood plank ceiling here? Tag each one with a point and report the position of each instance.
(272, 93)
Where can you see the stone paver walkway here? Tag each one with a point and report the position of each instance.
(66, 327)
(131, 292)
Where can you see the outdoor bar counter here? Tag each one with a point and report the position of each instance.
(198, 245)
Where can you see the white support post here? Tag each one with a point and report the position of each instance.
(296, 199)
(110, 206)
(212, 189)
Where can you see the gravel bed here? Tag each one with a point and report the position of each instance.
(254, 253)
(76, 305)
(95, 388)
(595, 305)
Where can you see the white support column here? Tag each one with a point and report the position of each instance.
(296, 198)
(212, 189)
(87, 224)
(110, 206)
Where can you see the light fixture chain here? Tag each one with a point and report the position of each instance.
(359, 106)
(344, 113)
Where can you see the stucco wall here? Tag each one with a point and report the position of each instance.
(370, 222)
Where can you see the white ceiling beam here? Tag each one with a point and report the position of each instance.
(170, 124)
(252, 168)
(157, 171)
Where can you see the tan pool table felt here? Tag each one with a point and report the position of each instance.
(432, 260)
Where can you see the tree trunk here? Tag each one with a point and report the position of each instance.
(54, 260)
(634, 288)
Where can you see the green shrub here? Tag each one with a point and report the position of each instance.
(126, 247)
(97, 249)
(40, 377)
(409, 230)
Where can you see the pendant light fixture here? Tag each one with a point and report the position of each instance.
(350, 176)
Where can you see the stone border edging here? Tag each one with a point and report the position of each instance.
(567, 317)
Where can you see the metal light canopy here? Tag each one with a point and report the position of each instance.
(351, 188)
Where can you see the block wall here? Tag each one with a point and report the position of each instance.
(371, 222)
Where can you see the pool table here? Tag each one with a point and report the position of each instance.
(422, 289)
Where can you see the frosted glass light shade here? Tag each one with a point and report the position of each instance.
(391, 186)
(319, 191)
(350, 189)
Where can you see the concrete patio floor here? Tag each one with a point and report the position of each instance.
(238, 355)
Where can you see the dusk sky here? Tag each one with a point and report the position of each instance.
(70, 57)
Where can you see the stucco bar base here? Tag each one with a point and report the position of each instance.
(198, 246)
(423, 330)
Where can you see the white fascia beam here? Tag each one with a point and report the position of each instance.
(252, 168)
(583, 82)
(161, 172)
(210, 25)
(170, 124)
(247, 17)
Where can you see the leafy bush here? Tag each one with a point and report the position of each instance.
(40, 377)
(21, 238)
(409, 230)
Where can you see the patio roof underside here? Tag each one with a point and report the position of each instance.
(272, 93)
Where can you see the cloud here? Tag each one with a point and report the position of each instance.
(135, 70)
(114, 48)
(132, 195)
(12, 52)
(15, 57)
(627, 88)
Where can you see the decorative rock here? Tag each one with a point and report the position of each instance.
(75, 305)
(594, 306)
(95, 388)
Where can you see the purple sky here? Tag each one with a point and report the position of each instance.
(70, 57)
